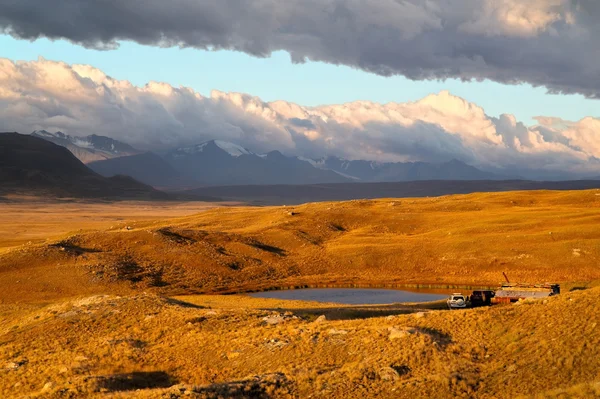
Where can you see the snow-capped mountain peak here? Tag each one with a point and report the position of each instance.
(88, 148)
(43, 133)
(310, 161)
(232, 149)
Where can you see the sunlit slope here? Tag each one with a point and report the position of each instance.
(144, 346)
(463, 240)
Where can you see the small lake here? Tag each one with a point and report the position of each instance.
(353, 296)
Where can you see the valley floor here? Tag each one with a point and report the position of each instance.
(35, 220)
(104, 301)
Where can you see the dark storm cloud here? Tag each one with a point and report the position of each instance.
(549, 43)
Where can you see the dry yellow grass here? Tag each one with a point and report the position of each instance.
(74, 321)
(454, 240)
(36, 220)
(149, 347)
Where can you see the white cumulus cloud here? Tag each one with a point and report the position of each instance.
(81, 100)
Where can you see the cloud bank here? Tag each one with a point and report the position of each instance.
(551, 43)
(81, 100)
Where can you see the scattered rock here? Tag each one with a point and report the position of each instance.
(12, 366)
(70, 313)
(276, 343)
(179, 388)
(388, 374)
(15, 365)
(278, 318)
(197, 320)
(47, 386)
(321, 319)
(397, 333)
(419, 315)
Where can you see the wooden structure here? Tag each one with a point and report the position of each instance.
(512, 292)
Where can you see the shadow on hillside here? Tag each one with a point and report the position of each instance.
(257, 387)
(176, 237)
(183, 304)
(578, 289)
(440, 338)
(73, 249)
(268, 248)
(135, 380)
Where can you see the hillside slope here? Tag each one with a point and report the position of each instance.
(208, 347)
(32, 165)
(88, 148)
(457, 240)
(147, 168)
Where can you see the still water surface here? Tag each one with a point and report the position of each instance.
(353, 296)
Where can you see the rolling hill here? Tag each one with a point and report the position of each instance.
(84, 314)
(470, 239)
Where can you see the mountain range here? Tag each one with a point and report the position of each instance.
(221, 163)
(88, 148)
(369, 171)
(287, 194)
(32, 165)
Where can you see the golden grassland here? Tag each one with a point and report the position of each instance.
(463, 240)
(35, 220)
(110, 308)
(146, 346)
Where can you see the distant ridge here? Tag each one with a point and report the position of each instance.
(222, 163)
(217, 163)
(370, 171)
(148, 168)
(296, 194)
(88, 148)
(32, 165)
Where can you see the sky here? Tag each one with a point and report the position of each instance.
(277, 78)
(511, 86)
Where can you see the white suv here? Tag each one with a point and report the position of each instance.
(457, 301)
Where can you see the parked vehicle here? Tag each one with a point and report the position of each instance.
(457, 301)
(481, 298)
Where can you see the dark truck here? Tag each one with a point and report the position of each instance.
(481, 298)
